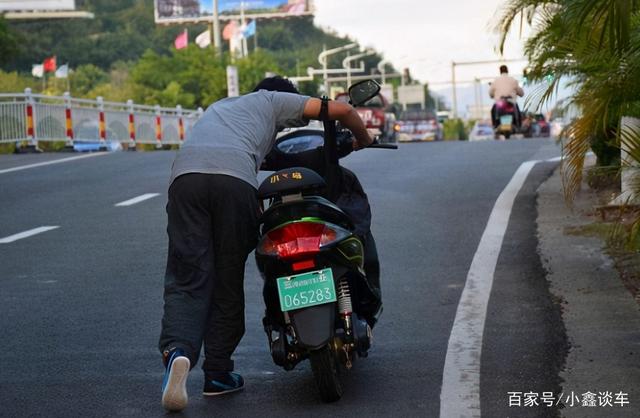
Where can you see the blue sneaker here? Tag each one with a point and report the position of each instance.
(220, 383)
(174, 385)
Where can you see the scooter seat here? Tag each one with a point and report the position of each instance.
(310, 206)
(291, 181)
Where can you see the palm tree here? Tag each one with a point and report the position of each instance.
(596, 45)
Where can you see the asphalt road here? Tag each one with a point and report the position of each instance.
(80, 305)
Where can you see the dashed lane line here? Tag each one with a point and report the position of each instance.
(26, 234)
(137, 199)
(62, 160)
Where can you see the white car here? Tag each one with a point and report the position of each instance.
(482, 131)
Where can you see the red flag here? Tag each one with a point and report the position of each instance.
(50, 65)
(182, 40)
(230, 30)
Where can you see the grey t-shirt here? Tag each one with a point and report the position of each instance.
(235, 134)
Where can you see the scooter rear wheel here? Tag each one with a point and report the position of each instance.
(325, 372)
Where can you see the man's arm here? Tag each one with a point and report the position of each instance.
(345, 114)
(519, 90)
(492, 90)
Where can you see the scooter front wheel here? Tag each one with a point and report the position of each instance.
(325, 372)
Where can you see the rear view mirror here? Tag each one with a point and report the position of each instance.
(360, 92)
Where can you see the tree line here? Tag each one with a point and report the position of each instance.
(123, 54)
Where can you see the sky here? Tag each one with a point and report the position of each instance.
(425, 35)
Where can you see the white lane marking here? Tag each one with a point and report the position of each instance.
(460, 393)
(62, 160)
(138, 199)
(26, 234)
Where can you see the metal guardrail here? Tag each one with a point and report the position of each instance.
(35, 117)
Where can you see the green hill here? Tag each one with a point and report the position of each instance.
(123, 53)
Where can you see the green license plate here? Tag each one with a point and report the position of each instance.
(506, 119)
(307, 289)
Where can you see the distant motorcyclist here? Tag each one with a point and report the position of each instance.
(505, 87)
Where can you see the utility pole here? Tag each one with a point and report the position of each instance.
(243, 24)
(215, 29)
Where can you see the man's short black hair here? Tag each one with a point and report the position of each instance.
(277, 83)
(504, 69)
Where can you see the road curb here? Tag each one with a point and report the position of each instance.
(601, 318)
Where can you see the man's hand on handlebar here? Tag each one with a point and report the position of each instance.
(372, 139)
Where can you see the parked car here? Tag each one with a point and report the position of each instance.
(535, 126)
(377, 117)
(482, 131)
(418, 125)
(543, 127)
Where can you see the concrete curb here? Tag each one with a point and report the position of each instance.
(600, 315)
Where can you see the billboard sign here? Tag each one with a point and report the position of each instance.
(180, 11)
(39, 5)
(411, 94)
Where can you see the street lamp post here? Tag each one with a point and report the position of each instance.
(454, 98)
(381, 68)
(322, 59)
(346, 63)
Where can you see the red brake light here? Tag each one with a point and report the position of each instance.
(298, 239)
(303, 265)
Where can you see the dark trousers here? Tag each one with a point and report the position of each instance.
(212, 228)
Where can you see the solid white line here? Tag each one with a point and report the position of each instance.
(27, 234)
(460, 393)
(138, 199)
(62, 160)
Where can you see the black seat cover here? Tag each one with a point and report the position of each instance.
(310, 206)
(290, 181)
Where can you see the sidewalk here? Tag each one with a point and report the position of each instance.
(600, 315)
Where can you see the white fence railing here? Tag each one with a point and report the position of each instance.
(34, 117)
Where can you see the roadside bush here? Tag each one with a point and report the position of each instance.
(52, 146)
(454, 129)
(7, 148)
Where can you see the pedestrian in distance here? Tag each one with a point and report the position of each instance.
(213, 214)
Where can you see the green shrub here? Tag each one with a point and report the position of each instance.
(51, 146)
(454, 129)
(8, 148)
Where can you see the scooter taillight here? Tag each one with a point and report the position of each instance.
(298, 239)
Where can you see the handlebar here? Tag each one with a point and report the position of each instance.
(376, 144)
(345, 143)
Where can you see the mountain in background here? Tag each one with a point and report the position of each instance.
(124, 29)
